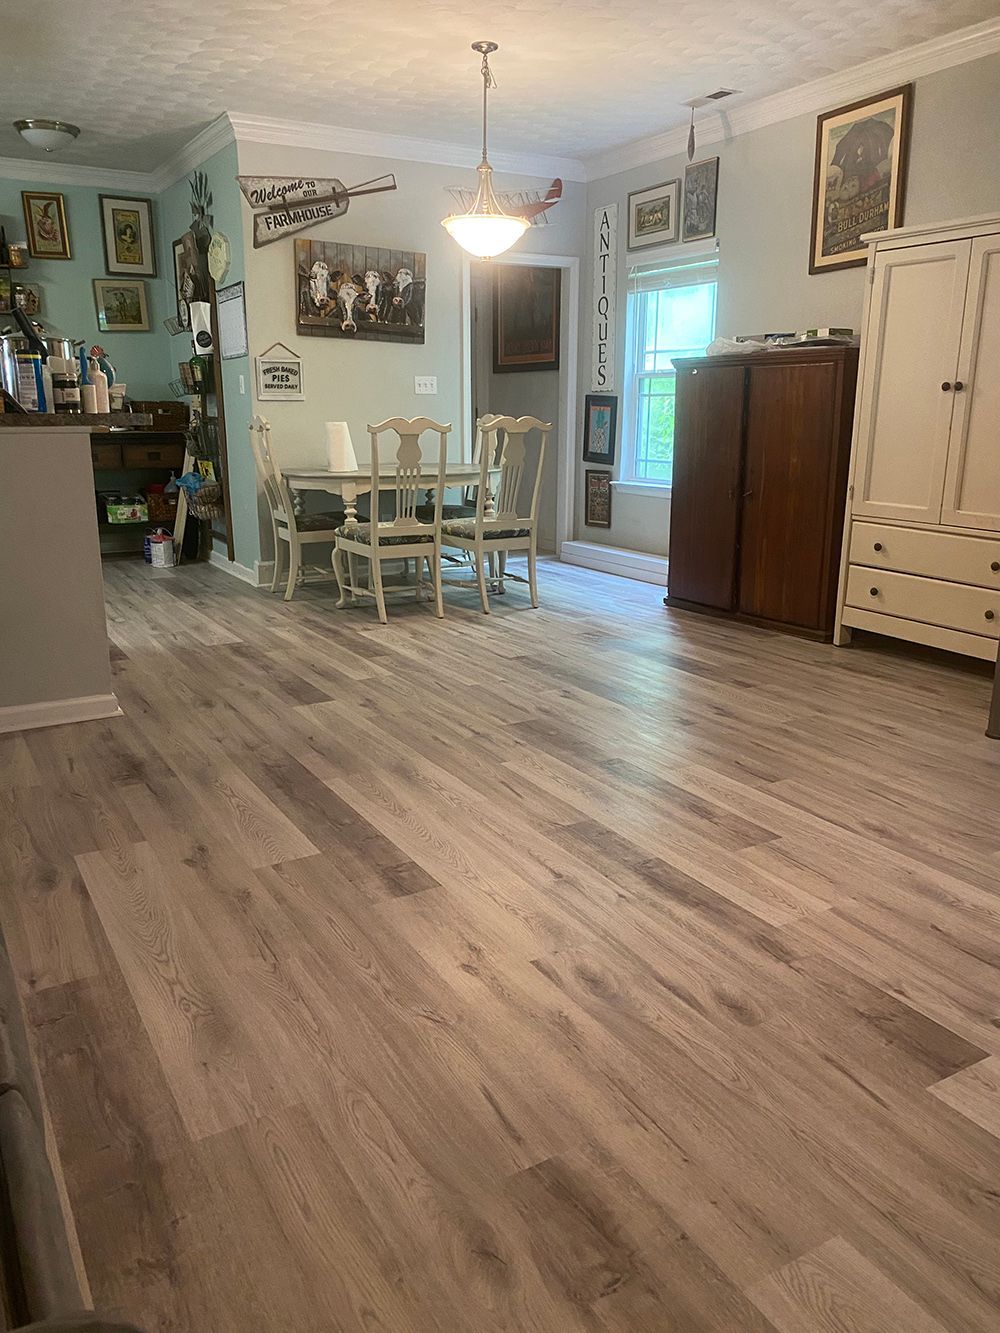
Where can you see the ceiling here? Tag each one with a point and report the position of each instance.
(575, 77)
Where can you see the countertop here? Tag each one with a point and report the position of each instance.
(78, 420)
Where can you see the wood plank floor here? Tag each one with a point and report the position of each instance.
(596, 968)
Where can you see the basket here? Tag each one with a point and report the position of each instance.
(207, 502)
(162, 508)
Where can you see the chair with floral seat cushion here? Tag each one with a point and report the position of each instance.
(288, 529)
(503, 522)
(415, 469)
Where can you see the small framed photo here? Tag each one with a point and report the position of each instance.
(121, 305)
(27, 296)
(701, 194)
(860, 176)
(6, 292)
(127, 225)
(597, 498)
(45, 222)
(653, 217)
(600, 428)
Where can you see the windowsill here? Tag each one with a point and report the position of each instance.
(654, 489)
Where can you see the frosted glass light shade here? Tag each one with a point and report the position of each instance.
(340, 447)
(50, 135)
(485, 234)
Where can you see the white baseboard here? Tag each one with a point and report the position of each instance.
(640, 565)
(56, 712)
(242, 572)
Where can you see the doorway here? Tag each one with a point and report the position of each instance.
(549, 395)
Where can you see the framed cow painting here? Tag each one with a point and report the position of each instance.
(362, 292)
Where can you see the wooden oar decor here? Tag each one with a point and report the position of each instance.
(284, 205)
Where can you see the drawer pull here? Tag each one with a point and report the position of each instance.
(946, 387)
(959, 386)
(878, 546)
(873, 591)
(995, 566)
(990, 615)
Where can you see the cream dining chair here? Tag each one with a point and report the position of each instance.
(501, 522)
(405, 535)
(287, 528)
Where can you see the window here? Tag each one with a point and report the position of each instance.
(671, 312)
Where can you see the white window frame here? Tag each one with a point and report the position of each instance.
(669, 271)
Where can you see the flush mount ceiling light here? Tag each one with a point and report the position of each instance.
(486, 230)
(48, 134)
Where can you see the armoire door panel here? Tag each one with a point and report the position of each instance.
(972, 481)
(704, 502)
(912, 352)
(784, 572)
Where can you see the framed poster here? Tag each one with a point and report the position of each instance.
(362, 292)
(701, 195)
(597, 498)
(653, 217)
(121, 305)
(600, 428)
(860, 176)
(279, 375)
(525, 318)
(127, 226)
(45, 221)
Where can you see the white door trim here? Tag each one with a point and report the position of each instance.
(566, 437)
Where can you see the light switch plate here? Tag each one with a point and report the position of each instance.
(425, 384)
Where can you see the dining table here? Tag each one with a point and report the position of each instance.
(351, 483)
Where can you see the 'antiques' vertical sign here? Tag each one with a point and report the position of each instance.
(605, 295)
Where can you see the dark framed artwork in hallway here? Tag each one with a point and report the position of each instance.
(525, 318)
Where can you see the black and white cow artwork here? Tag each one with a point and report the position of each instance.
(360, 292)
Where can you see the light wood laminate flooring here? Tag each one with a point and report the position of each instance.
(596, 968)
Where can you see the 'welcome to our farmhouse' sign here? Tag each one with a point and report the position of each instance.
(284, 205)
(605, 295)
(279, 374)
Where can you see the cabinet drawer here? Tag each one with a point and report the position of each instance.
(939, 555)
(932, 601)
(105, 456)
(153, 455)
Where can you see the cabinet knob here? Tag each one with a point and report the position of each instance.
(878, 546)
(873, 591)
(946, 387)
(990, 615)
(995, 566)
(959, 386)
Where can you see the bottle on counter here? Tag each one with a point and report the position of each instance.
(65, 389)
(100, 382)
(30, 391)
(49, 392)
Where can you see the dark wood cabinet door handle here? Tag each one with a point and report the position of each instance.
(946, 387)
(747, 495)
(878, 546)
(995, 566)
(873, 591)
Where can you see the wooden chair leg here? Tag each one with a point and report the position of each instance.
(294, 562)
(501, 570)
(419, 582)
(352, 575)
(532, 573)
(278, 544)
(338, 569)
(436, 573)
(376, 572)
(481, 576)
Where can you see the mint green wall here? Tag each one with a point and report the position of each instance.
(68, 292)
(174, 215)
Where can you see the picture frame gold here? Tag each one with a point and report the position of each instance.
(129, 240)
(46, 225)
(121, 304)
(597, 498)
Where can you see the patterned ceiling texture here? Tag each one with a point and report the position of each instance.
(575, 76)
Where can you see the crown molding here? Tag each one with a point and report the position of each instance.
(216, 135)
(368, 143)
(51, 172)
(954, 48)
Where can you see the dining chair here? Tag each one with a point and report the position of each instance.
(288, 528)
(413, 470)
(499, 525)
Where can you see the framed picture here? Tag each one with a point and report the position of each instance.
(279, 375)
(6, 291)
(525, 318)
(653, 215)
(27, 296)
(860, 176)
(191, 281)
(45, 221)
(597, 498)
(600, 428)
(362, 292)
(127, 225)
(701, 193)
(121, 305)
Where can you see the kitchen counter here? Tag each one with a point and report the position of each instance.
(54, 661)
(91, 421)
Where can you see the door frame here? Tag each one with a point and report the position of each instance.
(567, 432)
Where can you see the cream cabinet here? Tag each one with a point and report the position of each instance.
(922, 543)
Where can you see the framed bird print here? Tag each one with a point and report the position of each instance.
(45, 223)
(860, 176)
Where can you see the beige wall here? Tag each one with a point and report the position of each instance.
(765, 200)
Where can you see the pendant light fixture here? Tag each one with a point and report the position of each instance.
(486, 230)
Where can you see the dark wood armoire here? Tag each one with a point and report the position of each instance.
(762, 446)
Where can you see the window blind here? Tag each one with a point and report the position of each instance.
(683, 271)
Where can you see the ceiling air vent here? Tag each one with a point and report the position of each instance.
(720, 93)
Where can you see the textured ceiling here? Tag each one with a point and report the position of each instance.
(575, 76)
